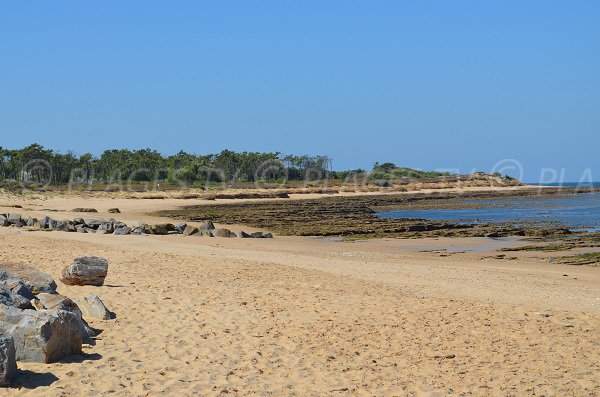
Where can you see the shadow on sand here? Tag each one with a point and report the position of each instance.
(30, 380)
(81, 358)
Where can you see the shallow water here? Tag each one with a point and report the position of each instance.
(579, 210)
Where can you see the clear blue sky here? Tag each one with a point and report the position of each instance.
(426, 84)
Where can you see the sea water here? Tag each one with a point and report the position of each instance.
(577, 210)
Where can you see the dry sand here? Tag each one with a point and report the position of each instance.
(298, 316)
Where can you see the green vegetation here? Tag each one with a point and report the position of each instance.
(38, 165)
(390, 171)
(35, 165)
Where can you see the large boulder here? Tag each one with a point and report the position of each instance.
(92, 307)
(35, 280)
(121, 231)
(41, 336)
(85, 270)
(55, 302)
(222, 233)
(162, 228)
(8, 361)
(14, 218)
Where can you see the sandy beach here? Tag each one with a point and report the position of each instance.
(299, 316)
(300, 199)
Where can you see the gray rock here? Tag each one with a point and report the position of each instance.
(81, 229)
(44, 336)
(180, 228)
(35, 280)
(9, 298)
(137, 230)
(54, 302)
(92, 307)
(4, 222)
(14, 218)
(208, 225)
(85, 270)
(31, 221)
(62, 226)
(79, 221)
(190, 230)
(114, 210)
(52, 224)
(107, 226)
(18, 287)
(57, 302)
(93, 223)
(121, 231)
(8, 361)
(243, 234)
(44, 222)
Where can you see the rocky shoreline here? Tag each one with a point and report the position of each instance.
(356, 217)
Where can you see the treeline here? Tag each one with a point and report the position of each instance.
(37, 164)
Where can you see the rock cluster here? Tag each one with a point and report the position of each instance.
(39, 325)
(112, 226)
